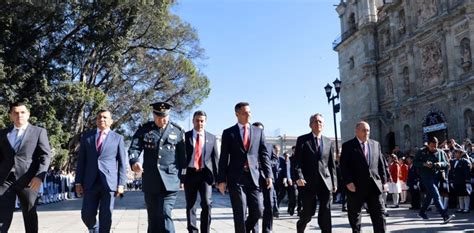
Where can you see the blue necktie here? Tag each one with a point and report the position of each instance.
(16, 140)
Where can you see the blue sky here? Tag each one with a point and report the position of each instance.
(275, 54)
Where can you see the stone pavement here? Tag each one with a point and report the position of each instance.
(130, 217)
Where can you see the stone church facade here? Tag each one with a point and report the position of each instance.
(406, 68)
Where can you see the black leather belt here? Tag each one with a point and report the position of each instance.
(192, 169)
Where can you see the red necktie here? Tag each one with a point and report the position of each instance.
(246, 138)
(197, 153)
(100, 139)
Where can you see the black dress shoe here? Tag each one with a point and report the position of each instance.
(448, 219)
(344, 209)
(423, 216)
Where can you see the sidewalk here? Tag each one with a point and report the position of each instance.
(130, 216)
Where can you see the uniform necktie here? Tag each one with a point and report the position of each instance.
(16, 140)
(100, 139)
(197, 153)
(246, 138)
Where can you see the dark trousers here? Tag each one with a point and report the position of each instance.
(310, 199)
(195, 183)
(243, 195)
(269, 206)
(159, 206)
(415, 198)
(98, 198)
(9, 189)
(299, 199)
(356, 200)
(291, 190)
(432, 193)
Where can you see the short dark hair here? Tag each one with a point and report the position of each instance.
(102, 111)
(258, 124)
(199, 113)
(433, 139)
(239, 105)
(17, 104)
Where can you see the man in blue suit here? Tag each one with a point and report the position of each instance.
(243, 152)
(201, 173)
(101, 172)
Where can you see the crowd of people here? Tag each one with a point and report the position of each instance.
(256, 175)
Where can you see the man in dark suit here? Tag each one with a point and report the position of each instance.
(25, 155)
(201, 173)
(164, 158)
(101, 172)
(364, 175)
(270, 208)
(316, 169)
(243, 151)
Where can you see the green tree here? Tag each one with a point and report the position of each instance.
(68, 60)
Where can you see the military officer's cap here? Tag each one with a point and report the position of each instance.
(161, 109)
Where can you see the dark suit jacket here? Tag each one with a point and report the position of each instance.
(210, 155)
(310, 163)
(32, 159)
(110, 162)
(233, 156)
(355, 169)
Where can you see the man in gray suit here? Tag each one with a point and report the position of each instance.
(101, 172)
(316, 168)
(25, 155)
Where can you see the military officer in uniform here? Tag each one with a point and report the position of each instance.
(164, 157)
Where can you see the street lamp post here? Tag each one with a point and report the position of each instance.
(335, 107)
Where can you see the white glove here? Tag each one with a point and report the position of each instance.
(415, 187)
(469, 188)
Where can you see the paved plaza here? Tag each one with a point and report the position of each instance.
(130, 217)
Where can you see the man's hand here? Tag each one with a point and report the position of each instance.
(137, 167)
(290, 182)
(351, 187)
(269, 182)
(222, 186)
(120, 190)
(301, 182)
(181, 186)
(35, 184)
(428, 164)
(334, 189)
(79, 190)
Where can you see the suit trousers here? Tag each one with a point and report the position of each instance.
(373, 198)
(99, 197)
(27, 197)
(269, 203)
(415, 198)
(196, 183)
(310, 198)
(243, 195)
(159, 206)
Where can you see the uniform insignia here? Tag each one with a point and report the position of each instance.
(173, 136)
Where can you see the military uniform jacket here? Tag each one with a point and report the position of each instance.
(164, 156)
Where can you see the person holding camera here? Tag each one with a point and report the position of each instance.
(430, 161)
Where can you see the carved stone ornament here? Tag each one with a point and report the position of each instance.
(425, 9)
(431, 63)
(465, 51)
